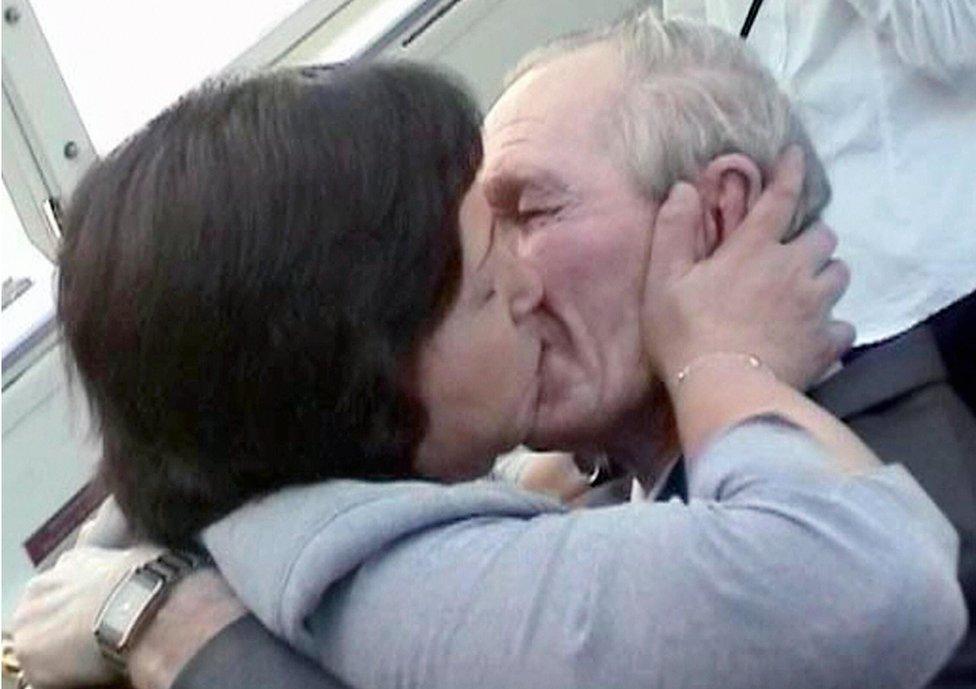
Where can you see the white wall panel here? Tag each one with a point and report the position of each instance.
(47, 457)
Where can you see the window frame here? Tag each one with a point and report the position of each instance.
(46, 150)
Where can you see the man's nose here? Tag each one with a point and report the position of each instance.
(526, 289)
(523, 245)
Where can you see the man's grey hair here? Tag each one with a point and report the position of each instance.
(691, 93)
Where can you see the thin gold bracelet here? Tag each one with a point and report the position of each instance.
(750, 360)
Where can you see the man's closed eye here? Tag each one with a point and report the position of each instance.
(534, 218)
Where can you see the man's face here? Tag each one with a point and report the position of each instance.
(575, 217)
(478, 373)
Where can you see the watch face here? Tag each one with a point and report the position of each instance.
(129, 600)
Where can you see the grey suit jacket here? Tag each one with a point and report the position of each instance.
(895, 397)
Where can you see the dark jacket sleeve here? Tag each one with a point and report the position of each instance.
(897, 397)
(244, 654)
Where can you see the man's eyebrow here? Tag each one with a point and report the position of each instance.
(512, 183)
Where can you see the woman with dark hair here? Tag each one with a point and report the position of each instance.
(294, 315)
(246, 283)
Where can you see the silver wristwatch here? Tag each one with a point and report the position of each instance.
(136, 598)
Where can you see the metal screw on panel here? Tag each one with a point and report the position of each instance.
(11, 15)
(71, 150)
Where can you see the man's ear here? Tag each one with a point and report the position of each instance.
(729, 186)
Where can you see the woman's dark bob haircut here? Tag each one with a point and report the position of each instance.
(245, 282)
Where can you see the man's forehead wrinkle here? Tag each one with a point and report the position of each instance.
(518, 121)
(527, 156)
(546, 136)
(519, 131)
(507, 144)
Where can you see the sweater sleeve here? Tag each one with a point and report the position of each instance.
(778, 572)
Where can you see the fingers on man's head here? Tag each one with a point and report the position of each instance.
(833, 281)
(814, 247)
(676, 229)
(842, 335)
(773, 213)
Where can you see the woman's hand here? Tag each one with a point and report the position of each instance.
(706, 322)
(753, 295)
(52, 626)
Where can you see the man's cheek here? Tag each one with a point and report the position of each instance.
(571, 261)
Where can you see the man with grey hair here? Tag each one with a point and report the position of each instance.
(664, 103)
(674, 101)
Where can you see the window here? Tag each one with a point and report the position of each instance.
(125, 61)
(28, 283)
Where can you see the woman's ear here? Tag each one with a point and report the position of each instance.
(729, 186)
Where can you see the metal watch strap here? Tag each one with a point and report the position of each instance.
(163, 572)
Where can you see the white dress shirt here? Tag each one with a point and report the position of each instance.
(887, 89)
